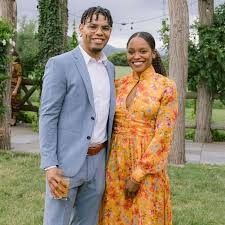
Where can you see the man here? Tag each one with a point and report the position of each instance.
(76, 115)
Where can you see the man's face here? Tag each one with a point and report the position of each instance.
(95, 34)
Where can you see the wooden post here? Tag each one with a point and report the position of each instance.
(178, 71)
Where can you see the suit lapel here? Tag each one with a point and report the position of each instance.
(82, 68)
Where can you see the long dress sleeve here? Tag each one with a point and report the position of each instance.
(155, 157)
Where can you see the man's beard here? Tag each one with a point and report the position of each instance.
(97, 50)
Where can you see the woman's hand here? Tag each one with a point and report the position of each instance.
(131, 188)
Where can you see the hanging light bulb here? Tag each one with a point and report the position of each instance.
(131, 25)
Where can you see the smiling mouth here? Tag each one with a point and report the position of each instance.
(98, 41)
(137, 63)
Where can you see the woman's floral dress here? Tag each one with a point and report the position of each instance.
(141, 142)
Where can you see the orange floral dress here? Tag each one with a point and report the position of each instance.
(141, 142)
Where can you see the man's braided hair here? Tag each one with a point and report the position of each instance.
(88, 14)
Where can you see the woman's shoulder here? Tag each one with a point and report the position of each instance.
(166, 81)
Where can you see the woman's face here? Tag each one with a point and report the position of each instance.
(139, 54)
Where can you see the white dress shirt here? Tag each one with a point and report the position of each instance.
(101, 93)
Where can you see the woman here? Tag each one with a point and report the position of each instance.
(137, 184)
(15, 86)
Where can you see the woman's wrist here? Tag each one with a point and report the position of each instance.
(135, 181)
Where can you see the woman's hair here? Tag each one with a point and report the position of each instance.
(156, 62)
(96, 11)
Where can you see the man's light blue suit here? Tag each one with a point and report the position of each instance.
(67, 118)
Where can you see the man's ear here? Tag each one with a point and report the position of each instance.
(81, 27)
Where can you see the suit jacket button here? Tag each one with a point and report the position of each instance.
(92, 118)
(88, 137)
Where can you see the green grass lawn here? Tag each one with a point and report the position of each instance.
(122, 70)
(218, 115)
(197, 192)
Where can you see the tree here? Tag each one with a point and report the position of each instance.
(8, 10)
(178, 70)
(27, 45)
(204, 94)
(6, 32)
(206, 66)
(52, 30)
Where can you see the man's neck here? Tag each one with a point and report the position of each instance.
(94, 54)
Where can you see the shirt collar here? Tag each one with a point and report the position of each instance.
(88, 58)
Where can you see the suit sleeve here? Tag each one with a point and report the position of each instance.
(155, 157)
(53, 93)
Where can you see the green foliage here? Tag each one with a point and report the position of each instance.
(218, 135)
(51, 29)
(189, 103)
(119, 59)
(6, 34)
(164, 34)
(29, 117)
(189, 134)
(73, 42)
(207, 57)
(27, 45)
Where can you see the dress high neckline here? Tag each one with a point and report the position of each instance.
(145, 74)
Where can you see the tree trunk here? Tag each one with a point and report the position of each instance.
(203, 114)
(5, 120)
(64, 15)
(204, 96)
(178, 71)
(8, 12)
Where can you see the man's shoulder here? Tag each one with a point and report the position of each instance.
(64, 58)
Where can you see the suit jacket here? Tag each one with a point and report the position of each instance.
(67, 106)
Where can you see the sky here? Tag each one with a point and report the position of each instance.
(129, 16)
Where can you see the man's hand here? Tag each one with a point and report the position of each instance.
(131, 188)
(54, 176)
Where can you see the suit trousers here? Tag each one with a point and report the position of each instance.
(85, 195)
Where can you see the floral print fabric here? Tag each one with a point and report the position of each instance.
(141, 142)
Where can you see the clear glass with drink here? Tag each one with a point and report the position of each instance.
(63, 188)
